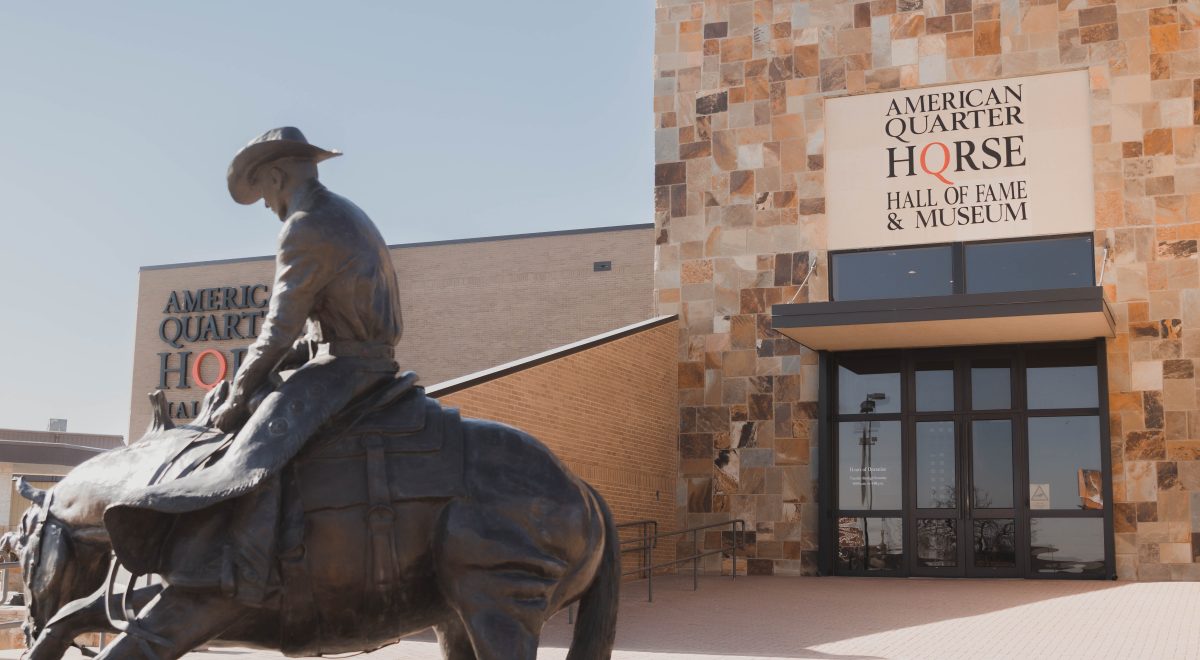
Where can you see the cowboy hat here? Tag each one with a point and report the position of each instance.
(285, 142)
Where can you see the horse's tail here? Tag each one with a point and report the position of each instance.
(596, 626)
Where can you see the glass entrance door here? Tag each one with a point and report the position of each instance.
(938, 513)
(971, 463)
(992, 508)
(963, 492)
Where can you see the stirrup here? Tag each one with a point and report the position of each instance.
(129, 623)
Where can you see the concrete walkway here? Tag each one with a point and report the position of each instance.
(867, 618)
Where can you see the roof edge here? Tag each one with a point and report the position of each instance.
(479, 377)
(26, 443)
(452, 241)
(62, 433)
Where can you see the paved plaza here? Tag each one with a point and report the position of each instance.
(864, 618)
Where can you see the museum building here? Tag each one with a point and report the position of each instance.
(468, 305)
(935, 267)
(550, 332)
(919, 298)
(42, 458)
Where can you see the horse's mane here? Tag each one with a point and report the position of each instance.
(83, 494)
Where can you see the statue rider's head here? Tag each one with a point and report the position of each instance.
(278, 182)
(274, 167)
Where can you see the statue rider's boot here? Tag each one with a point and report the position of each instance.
(254, 531)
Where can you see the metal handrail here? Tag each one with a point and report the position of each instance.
(646, 542)
(4, 568)
(17, 623)
(737, 528)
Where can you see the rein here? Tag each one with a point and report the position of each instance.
(44, 520)
(128, 624)
(35, 552)
(125, 620)
(87, 653)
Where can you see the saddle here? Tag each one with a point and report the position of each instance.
(359, 508)
(403, 451)
(364, 481)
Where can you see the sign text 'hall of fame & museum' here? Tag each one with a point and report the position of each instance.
(986, 160)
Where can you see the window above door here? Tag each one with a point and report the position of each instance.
(1061, 262)
(992, 292)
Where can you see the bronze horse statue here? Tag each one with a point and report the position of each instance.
(486, 537)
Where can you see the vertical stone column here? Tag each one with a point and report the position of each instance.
(739, 89)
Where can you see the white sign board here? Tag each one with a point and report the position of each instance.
(1039, 496)
(868, 476)
(985, 160)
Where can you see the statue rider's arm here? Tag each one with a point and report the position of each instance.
(302, 269)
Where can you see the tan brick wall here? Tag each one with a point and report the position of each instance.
(467, 305)
(740, 213)
(609, 412)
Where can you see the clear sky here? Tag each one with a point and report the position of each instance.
(458, 119)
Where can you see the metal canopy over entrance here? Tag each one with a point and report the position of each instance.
(980, 462)
(960, 319)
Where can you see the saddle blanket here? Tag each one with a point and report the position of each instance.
(422, 459)
(360, 513)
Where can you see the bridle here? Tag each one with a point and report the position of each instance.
(123, 620)
(44, 522)
(31, 558)
(32, 555)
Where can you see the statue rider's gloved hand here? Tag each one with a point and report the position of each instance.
(231, 415)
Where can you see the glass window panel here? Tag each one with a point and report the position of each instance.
(1064, 463)
(906, 273)
(937, 542)
(870, 544)
(1067, 545)
(1056, 263)
(995, 542)
(935, 386)
(991, 388)
(935, 466)
(868, 384)
(1062, 378)
(869, 467)
(992, 463)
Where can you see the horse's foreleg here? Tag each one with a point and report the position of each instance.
(85, 615)
(174, 623)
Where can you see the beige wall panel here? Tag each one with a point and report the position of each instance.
(468, 305)
(609, 412)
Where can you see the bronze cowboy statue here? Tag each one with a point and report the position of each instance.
(321, 503)
(333, 272)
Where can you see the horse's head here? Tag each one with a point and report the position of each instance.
(63, 561)
(58, 564)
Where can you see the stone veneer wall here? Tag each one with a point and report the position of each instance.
(609, 412)
(740, 213)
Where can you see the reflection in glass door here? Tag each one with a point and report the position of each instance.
(992, 509)
(937, 520)
(870, 482)
(983, 462)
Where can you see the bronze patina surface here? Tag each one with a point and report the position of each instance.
(321, 503)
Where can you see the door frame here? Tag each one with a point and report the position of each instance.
(914, 513)
(962, 416)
